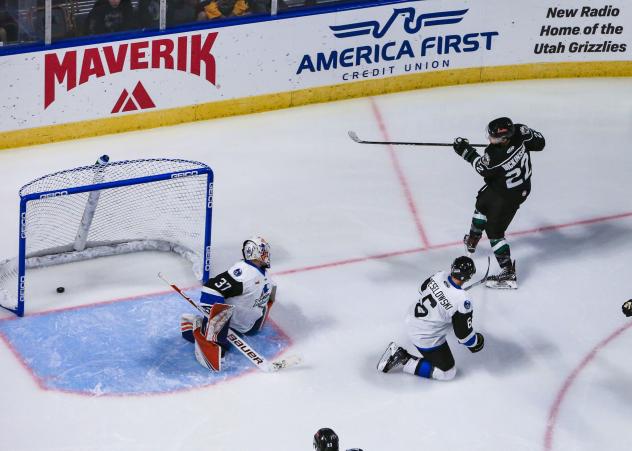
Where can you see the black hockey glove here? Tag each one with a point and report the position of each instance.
(627, 308)
(480, 342)
(463, 149)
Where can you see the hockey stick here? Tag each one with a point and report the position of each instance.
(353, 135)
(482, 280)
(238, 342)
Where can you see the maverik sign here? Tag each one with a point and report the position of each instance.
(190, 54)
(408, 35)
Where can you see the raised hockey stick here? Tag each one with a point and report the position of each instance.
(353, 135)
(238, 342)
(482, 280)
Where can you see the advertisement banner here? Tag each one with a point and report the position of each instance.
(115, 79)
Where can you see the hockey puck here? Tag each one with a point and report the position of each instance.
(60, 289)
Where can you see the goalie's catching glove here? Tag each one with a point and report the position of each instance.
(463, 149)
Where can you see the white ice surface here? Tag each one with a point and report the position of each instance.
(333, 210)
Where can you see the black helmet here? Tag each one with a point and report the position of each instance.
(463, 268)
(500, 128)
(325, 439)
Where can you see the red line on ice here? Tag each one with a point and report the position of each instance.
(400, 175)
(568, 383)
(450, 244)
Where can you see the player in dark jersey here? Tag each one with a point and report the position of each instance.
(627, 308)
(506, 169)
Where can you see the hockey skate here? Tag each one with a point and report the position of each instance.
(471, 241)
(505, 280)
(394, 356)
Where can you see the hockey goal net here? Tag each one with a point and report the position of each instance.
(111, 208)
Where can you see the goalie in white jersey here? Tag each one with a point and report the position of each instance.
(442, 305)
(239, 298)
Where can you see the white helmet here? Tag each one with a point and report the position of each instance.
(256, 248)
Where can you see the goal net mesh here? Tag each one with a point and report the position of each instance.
(110, 209)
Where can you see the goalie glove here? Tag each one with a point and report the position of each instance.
(627, 308)
(463, 149)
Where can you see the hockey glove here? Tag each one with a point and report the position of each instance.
(463, 149)
(480, 342)
(627, 308)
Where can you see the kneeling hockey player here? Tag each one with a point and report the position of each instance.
(239, 298)
(506, 168)
(442, 305)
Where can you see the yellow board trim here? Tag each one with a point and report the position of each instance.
(418, 80)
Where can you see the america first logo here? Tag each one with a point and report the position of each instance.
(400, 38)
(190, 54)
(411, 24)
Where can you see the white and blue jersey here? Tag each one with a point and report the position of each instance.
(244, 286)
(442, 306)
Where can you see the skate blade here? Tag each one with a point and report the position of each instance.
(505, 285)
(387, 354)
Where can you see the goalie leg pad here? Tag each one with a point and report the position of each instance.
(218, 322)
(207, 353)
(188, 323)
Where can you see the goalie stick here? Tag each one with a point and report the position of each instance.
(238, 342)
(354, 136)
(482, 280)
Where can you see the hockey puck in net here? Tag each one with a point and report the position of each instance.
(60, 289)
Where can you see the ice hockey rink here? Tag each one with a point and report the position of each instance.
(354, 230)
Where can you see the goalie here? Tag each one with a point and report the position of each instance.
(239, 298)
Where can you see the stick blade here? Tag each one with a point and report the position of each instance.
(354, 136)
(286, 362)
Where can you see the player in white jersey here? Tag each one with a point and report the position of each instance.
(239, 298)
(442, 305)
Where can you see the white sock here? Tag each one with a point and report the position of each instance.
(411, 366)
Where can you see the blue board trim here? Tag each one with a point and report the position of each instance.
(196, 26)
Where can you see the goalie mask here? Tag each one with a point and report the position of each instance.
(257, 248)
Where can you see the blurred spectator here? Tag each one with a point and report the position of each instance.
(222, 9)
(181, 12)
(149, 13)
(110, 16)
(264, 6)
(8, 25)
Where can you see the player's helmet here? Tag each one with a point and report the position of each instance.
(325, 439)
(463, 268)
(501, 128)
(256, 248)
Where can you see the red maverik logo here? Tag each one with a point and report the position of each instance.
(185, 54)
(138, 100)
